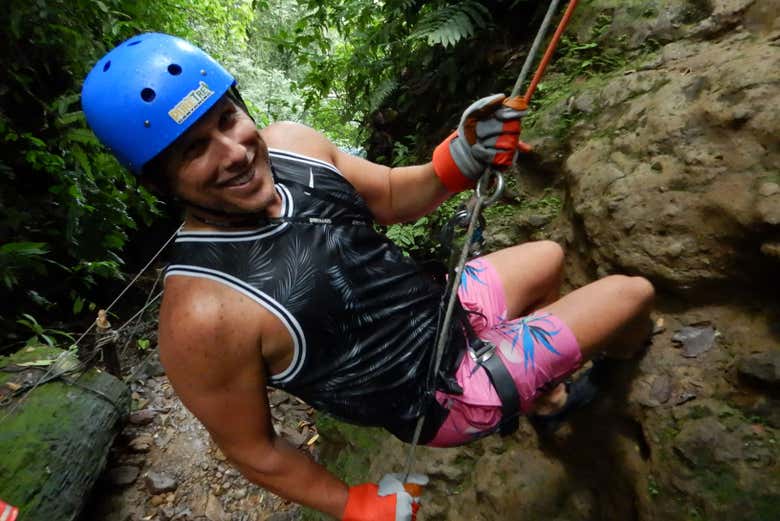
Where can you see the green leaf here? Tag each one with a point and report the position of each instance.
(81, 135)
(78, 305)
(81, 158)
(24, 248)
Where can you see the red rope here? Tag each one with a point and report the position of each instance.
(550, 51)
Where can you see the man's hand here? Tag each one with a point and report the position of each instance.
(391, 500)
(488, 136)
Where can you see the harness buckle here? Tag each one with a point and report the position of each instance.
(482, 351)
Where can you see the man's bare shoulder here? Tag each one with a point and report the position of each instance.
(298, 138)
(200, 312)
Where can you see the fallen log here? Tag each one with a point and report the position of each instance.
(54, 437)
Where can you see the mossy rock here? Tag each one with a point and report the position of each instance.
(54, 441)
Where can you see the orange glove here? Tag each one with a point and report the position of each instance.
(488, 136)
(391, 500)
(8, 512)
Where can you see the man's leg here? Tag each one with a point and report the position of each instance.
(611, 315)
(530, 274)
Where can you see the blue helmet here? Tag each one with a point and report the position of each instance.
(146, 92)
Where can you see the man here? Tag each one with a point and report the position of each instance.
(279, 278)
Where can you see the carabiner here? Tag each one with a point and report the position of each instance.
(494, 178)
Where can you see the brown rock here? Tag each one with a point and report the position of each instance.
(123, 475)
(142, 417)
(214, 509)
(771, 249)
(761, 368)
(705, 131)
(141, 443)
(157, 483)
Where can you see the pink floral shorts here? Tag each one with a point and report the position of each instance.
(539, 350)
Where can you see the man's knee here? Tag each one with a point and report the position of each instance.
(637, 292)
(551, 251)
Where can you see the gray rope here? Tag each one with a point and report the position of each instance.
(535, 48)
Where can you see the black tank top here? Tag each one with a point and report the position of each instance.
(361, 315)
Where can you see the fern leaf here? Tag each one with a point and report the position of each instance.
(381, 93)
(478, 13)
(450, 24)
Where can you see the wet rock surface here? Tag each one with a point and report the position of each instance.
(762, 369)
(164, 466)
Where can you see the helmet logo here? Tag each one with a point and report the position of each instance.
(190, 103)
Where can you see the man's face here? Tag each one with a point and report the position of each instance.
(222, 162)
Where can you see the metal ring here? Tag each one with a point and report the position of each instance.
(484, 183)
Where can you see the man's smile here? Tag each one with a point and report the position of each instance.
(240, 179)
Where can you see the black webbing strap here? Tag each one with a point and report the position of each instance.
(487, 358)
(506, 389)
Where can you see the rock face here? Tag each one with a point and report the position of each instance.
(673, 168)
(670, 162)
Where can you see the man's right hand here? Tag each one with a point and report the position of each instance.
(391, 500)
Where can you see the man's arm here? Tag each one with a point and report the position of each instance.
(209, 345)
(487, 136)
(393, 194)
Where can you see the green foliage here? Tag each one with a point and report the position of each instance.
(41, 335)
(18, 257)
(67, 208)
(420, 239)
(652, 487)
(352, 56)
(411, 237)
(447, 25)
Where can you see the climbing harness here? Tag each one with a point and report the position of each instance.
(483, 352)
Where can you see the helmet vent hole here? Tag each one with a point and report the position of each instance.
(107, 66)
(148, 95)
(174, 69)
(134, 43)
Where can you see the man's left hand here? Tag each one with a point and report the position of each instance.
(488, 136)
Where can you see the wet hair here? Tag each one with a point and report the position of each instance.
(154, 173)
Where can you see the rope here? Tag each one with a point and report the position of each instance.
(138, 314)
(535, 48)
(138, 275)
(550, 51)
(443, 336)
